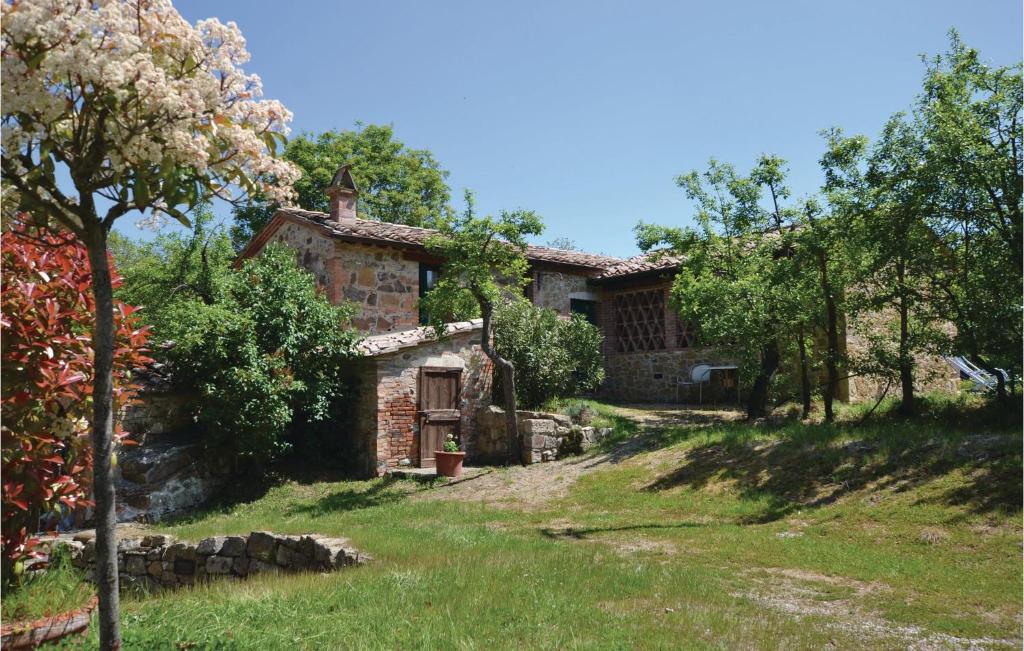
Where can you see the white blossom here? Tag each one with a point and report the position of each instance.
(177, 92)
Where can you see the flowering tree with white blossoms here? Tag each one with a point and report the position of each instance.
(114, 106)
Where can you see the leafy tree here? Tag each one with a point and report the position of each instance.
(174, 268)
(47, 368)
(259, 346)
(737, 268)
(970, 118)
(396, 184)
(553, 357)
(484, 265)
(140, 110)
(896, 253)
(564, 243)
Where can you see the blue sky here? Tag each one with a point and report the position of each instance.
(585, 111)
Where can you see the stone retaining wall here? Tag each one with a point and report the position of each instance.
(159, 562)
(543, 437)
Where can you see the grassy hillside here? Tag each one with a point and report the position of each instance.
(687, 530)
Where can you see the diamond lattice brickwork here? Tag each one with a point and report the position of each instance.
(686, 333)
(640, 321)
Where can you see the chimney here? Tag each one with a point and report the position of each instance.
(342, 193)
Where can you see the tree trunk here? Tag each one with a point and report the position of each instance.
(758, 405)
(508, 377)
(906, 361)
(102, 439)
(832, 337)
(805, 374)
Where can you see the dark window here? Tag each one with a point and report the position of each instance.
(428, 279)
(587, 308)
(640, 321)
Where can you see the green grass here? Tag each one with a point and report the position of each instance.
(58, 590)
(718, 535)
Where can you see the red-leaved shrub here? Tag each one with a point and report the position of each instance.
(46, 365)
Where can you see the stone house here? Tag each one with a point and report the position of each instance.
(414, 390)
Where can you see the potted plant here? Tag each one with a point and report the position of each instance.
(449, 458)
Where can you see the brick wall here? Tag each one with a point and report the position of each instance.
(653, 375)
(389, 397)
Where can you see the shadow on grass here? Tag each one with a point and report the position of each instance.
(386, 491)
(799, 466)
(584, 533)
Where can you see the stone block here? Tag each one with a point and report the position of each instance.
(136, 564)
(240, 565)
(261, 546)
(157, 540)
(561, 420)
(180, 551)
(284, 556)
(219, 565)
(155, 554)
(184, 566)
(233, 546)
(128, 544)
(291, 542)
(210, 546)
(155, 568)
(258, 566)
(538, 426)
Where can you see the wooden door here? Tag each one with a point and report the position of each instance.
(439, 409)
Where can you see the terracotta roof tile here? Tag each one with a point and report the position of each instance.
(647, 262)
(391, 342)
(374, 231)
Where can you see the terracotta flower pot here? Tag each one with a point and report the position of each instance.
(449, 464)
(29, 635)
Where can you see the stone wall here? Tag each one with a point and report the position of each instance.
(379, 281)
(156, 412)
(388, 406)
(551, 289)
(159, 562)
(931, 372)
(543, 437)
(653, 376)
(317, 253)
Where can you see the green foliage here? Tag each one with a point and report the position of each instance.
(173, 269)
(450, 444)
(257, 348)
(396, 184)
(483, 260)
(969, 119)
(553, 358)
(739, 279)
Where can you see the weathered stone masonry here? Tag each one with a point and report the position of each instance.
(159, 562)
(380, 282)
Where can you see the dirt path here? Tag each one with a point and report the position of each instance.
(530, 487)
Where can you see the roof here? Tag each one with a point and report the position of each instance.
(391, 342)
(653, 261)
(369, 231)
